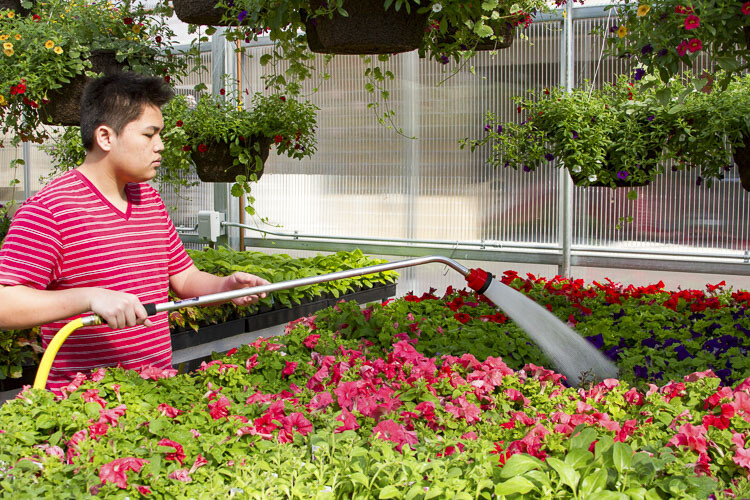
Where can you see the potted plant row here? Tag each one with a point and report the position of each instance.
(50, 51)
(622, 134)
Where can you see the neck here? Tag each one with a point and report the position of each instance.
(98, 171)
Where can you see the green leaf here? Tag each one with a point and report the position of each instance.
(519, 464)
(513, 485)
(622, 455)
(583, 439)
(389, 492)
(594, 482)
(434, 491)
(664, 95)
(728, 63)
(568, 475)
(579, 458)
(360, 478)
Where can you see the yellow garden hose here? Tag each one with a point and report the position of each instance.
(57, 341)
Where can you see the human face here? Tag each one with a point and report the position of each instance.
(135, 152)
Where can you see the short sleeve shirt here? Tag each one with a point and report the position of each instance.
(69, 236)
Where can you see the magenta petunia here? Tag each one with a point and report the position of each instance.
(116, 471)
(692, 21)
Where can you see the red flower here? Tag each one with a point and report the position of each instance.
(179, 123)
(178, 454)
(682, 48)
(462, 317)
(158, 39)
(128, 20)
(98, 429)
(36, 17)
(222, 91)
(289, 368)
(746, 8)
(283, 98)
(114, 471)
(167, 78)
(694, 45)
(277, 139)
(202, 148)
(692, 21)
(186, 148)
(311, 341)
(168, 411)
(219, 409)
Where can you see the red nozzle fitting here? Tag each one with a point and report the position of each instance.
(478, 280)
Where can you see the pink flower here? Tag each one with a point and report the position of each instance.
(112, 415)
(115, 471)
(154, 373)
(178, 454)
(251, 362)
(199, 462)
(180, 475)
(348, 422)
(219, 408)
(92, 396)
(98, 429)
(168, 411)
(392, 431)
(294, 422)
(692, 21)
(289, 368)
(143, 490)
(73, 385)
(692, 436)
(311, 341)
(746, 8)
(97, 375)
(320, 400)
(742, 456)
(694, 45)
(682, 48)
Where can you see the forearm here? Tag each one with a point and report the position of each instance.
(198, 283)
(24, 307)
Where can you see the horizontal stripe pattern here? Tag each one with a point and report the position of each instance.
(69, 236)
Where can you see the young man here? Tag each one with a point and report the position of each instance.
(98, 239)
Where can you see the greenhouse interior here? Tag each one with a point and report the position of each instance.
(375, 249)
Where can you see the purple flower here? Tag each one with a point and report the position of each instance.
(575, 135)
(647, 49)
(623, 174)
(640, 371)
(649, 342)
(613, 28)
(444, 59)
(487, 127)
(682, 352)
(662, 53)
(618, 315)
(242, 15)
(651, 118)
(526, 168)
(549, 157)
(499, 129)
(596, 340)
(506, 165)
(639, 73)
(699, 181)
(230, 3)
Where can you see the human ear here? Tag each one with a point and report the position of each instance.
(103, 136)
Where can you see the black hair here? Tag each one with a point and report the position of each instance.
(117, 99)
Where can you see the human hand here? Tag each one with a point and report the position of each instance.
(245, 280)
(118, 309)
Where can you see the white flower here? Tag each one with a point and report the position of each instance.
(576, 169)
(190, 101)
(436, 7)
(592, 178)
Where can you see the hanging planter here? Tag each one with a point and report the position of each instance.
(64, 107)
(742, 159)
(215, 163)
(203, 12)
(369, 29)
(623, 181)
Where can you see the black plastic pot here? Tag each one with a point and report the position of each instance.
(368, 29)
(742, 160)
(203, 12)
(216, 163)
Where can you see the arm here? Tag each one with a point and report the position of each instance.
(192, 282)
(25, 307)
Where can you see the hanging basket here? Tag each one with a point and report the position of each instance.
(203, 12)
(742, 160)
(216, 163)
(14, 5)
(64, 107)
(311, 34)
(369, 29)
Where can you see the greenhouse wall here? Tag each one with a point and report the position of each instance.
(417, 193)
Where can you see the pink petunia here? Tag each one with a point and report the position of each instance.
(289, 368)
(219, 408)
(692, 436)
(116, 471)
(390, 430)
(746, 8)
(682, 48)
(181, 475)
(168, 411)
(694, 45)
(154, 373)
(199, 462)
(692, 21)
(311, 341)
(251, 362)
(178, 454)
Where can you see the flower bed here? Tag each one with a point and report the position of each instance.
(345, 405)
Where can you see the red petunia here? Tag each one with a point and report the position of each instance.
(746, 8)
(278, 138)
(289, 368)
(694, 45)
(186, 147)
(692, 21)
(202, 148)
(128, 20)
(115, 471)
(462, 317)
(179, 123)
(178, 454)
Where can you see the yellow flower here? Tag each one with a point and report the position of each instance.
(2, 100)
(622, 31)
(8, 52)
(58, 50)
(643, 10)
(7, 46)
(18, 36)
(11, 14)
(4, 37)
(136, 28)
(49, 44)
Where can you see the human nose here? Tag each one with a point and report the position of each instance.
(159, 146)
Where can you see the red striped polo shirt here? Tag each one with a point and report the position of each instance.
(68, 235)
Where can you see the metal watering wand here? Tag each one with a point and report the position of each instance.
(571, 355)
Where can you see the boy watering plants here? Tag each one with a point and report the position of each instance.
(99, 239)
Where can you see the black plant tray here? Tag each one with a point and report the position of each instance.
(273, 317)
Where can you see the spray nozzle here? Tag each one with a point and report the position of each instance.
(478, 280)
